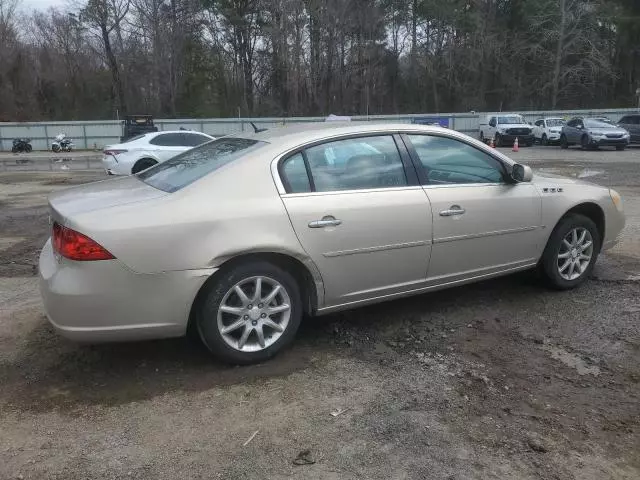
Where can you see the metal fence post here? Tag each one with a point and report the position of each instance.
(84, 133)
(46, 135)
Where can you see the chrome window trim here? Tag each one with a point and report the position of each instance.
(351, 192)
(407, 130)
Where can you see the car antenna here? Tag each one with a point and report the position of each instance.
(256, 129)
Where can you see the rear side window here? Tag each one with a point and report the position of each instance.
(356, 163)
(194, 139)
(294, 175)
(630, 120)
(167, 140)
(193, 164)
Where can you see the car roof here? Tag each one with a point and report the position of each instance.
(305, 132)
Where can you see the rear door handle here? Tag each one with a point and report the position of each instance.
(454, 210)
(327, 221)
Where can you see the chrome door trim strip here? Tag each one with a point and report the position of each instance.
(351, 192)
(379, 248)
(484, 234)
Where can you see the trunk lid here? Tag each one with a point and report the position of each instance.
(97, 196)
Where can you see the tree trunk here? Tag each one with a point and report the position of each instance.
(558, 58)
(115, 71)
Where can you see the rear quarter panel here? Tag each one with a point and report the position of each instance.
(233, 210)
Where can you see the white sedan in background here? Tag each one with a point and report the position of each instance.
(144, 151)
(548, 130)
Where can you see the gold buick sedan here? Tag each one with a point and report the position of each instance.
(239, 238)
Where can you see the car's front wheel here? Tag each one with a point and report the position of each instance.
(620, 147)
(564, 143)
(571, 252)
(544, 140)
(249, 313)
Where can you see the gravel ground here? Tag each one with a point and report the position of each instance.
(501, 379)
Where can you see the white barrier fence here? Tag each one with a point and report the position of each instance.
(94, 135)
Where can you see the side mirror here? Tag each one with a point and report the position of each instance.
(521, 173)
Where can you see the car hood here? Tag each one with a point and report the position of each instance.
(546, 179)
(97, 196)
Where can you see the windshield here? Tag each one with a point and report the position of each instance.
(555, 122)
(513, 119)
(193, 164)
(590, 123)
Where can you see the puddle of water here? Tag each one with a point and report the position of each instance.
(571, 360)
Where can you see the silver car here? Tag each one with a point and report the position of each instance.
(591, 133)
(239, 238)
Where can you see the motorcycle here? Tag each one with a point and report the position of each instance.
(21, 145)
(62, 144)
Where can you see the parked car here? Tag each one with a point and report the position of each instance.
(505, 128)
(548, 130)
(631, 123)
(236, 239)
(144, 151)
(591, 133)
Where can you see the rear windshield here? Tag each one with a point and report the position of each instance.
(193, 164)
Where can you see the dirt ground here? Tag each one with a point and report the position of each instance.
(498, 380)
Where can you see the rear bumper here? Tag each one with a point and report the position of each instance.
(112, 167)
(105, 301)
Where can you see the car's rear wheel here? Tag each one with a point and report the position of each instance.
(564, 144)
(482, 136)
(620, 147)
(498, 141)
(143, 164)
(249, 313)
(571, 252)
(544, 141)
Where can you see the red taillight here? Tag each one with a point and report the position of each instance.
(114, 152)
(76, 246)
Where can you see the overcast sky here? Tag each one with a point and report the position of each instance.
(42, 4)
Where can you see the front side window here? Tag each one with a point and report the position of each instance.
(446, 161)
(572, 123)
(356, 163)
(193, 164)
(539, 123)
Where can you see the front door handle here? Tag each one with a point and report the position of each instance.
(327, 221)
(454, 210)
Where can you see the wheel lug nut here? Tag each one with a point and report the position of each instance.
(264, 315)
(254, 323)
(249, 306)
(246, 317)
(259, 305)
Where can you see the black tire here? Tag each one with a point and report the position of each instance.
(620, 147)
(564, 144)
(28, 148)
(55, 148)
(529, 144)
(548, 263)
(584, 142)
(482, 136)
(207, 312)
(143, 164)
(498, 140)
(544, 141)
(14, 149)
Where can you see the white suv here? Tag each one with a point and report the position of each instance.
(548, 130)
(144, 151)
(504, 128)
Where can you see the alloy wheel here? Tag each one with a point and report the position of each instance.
(576, 251)
(254, 314)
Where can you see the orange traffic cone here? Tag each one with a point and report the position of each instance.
(516, 147)
(491, 144)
